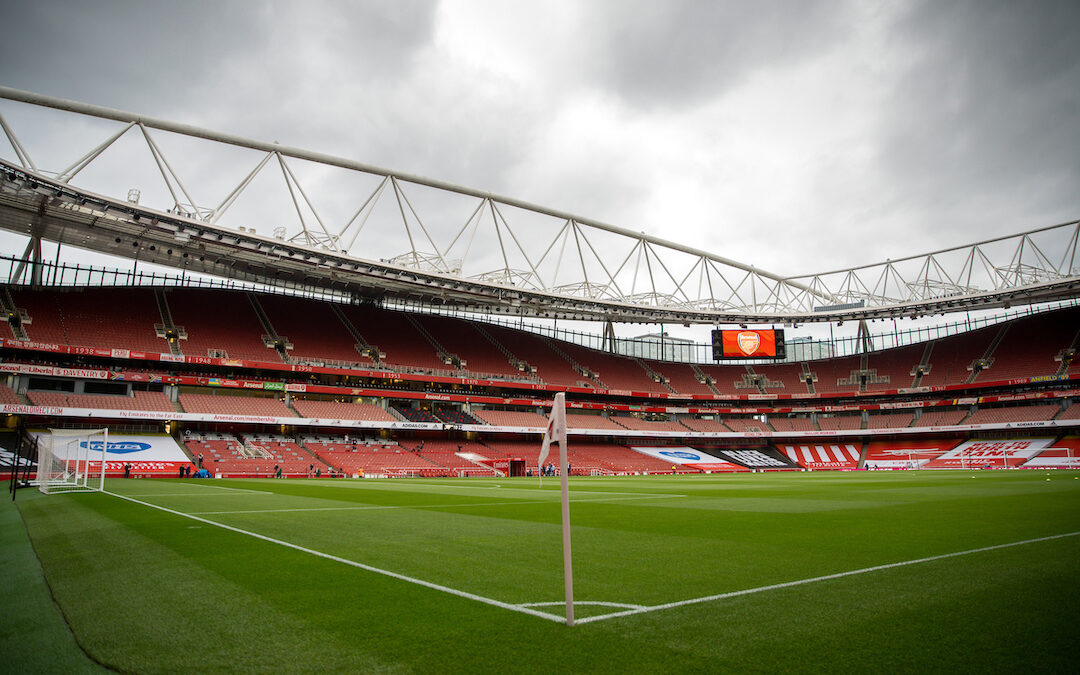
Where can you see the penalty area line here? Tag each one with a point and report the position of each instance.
(353, 563)
(827, 577)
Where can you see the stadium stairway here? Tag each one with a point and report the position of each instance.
(363, 347)
(521, 366)
(452, 361)
(592, 380)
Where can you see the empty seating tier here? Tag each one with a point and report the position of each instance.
(313, 329)
(511, 418)
(791, 423)
(104, 318)
(225, 404)
(140, 400)
(638, 424)
(219, 323)
(940, 418)
(334, 410)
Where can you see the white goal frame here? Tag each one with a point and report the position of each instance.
(64, 457)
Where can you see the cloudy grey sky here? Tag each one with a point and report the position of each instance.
(795, 136)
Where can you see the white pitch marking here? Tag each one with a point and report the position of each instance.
(353, 563)
(203, 494)
(801, 582)
(597, 603)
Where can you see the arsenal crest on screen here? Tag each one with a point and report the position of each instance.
(749, 341)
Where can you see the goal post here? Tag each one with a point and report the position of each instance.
(71, 460)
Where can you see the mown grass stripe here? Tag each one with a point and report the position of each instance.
(826, 577)
(353, 563)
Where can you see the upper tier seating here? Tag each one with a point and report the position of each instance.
(46, 323)
(615, 372)
(952, 357)
(463, 340)
(314, 331)
(226, 404)
(725, 379)
(537, 352)
(831, 371)
(334, 410)
(105, 318)
(1030, 345)
(787, 376)
(218, 321)
(396, 337)
(681, 378)
(896, 365)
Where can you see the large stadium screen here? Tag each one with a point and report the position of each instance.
(748, 344)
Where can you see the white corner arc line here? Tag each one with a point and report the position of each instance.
(826, 577)
(353, 563)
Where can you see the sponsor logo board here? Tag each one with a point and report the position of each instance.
(122, 448)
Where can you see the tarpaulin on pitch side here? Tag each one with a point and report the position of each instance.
(824, 456)
(755, 458)
(906, 454)
(1064, 454)
(690, 458)
(999, 453)
(148, 455)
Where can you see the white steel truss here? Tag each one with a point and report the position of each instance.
(499, 250)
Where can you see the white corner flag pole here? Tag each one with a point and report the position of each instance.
(568, 569)
(556, 433)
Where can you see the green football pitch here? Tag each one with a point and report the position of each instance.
(890, 571)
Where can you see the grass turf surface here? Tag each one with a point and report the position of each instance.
(150, 591)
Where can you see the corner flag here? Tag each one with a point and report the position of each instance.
(556, 431)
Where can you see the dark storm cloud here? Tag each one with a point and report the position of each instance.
(672, 54)
(193, 60)
(857, 130)
(984, 126)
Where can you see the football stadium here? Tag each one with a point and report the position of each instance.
(318, 447)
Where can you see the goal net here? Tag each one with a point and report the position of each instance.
(71, 460)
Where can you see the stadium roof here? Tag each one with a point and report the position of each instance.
(507, 257)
